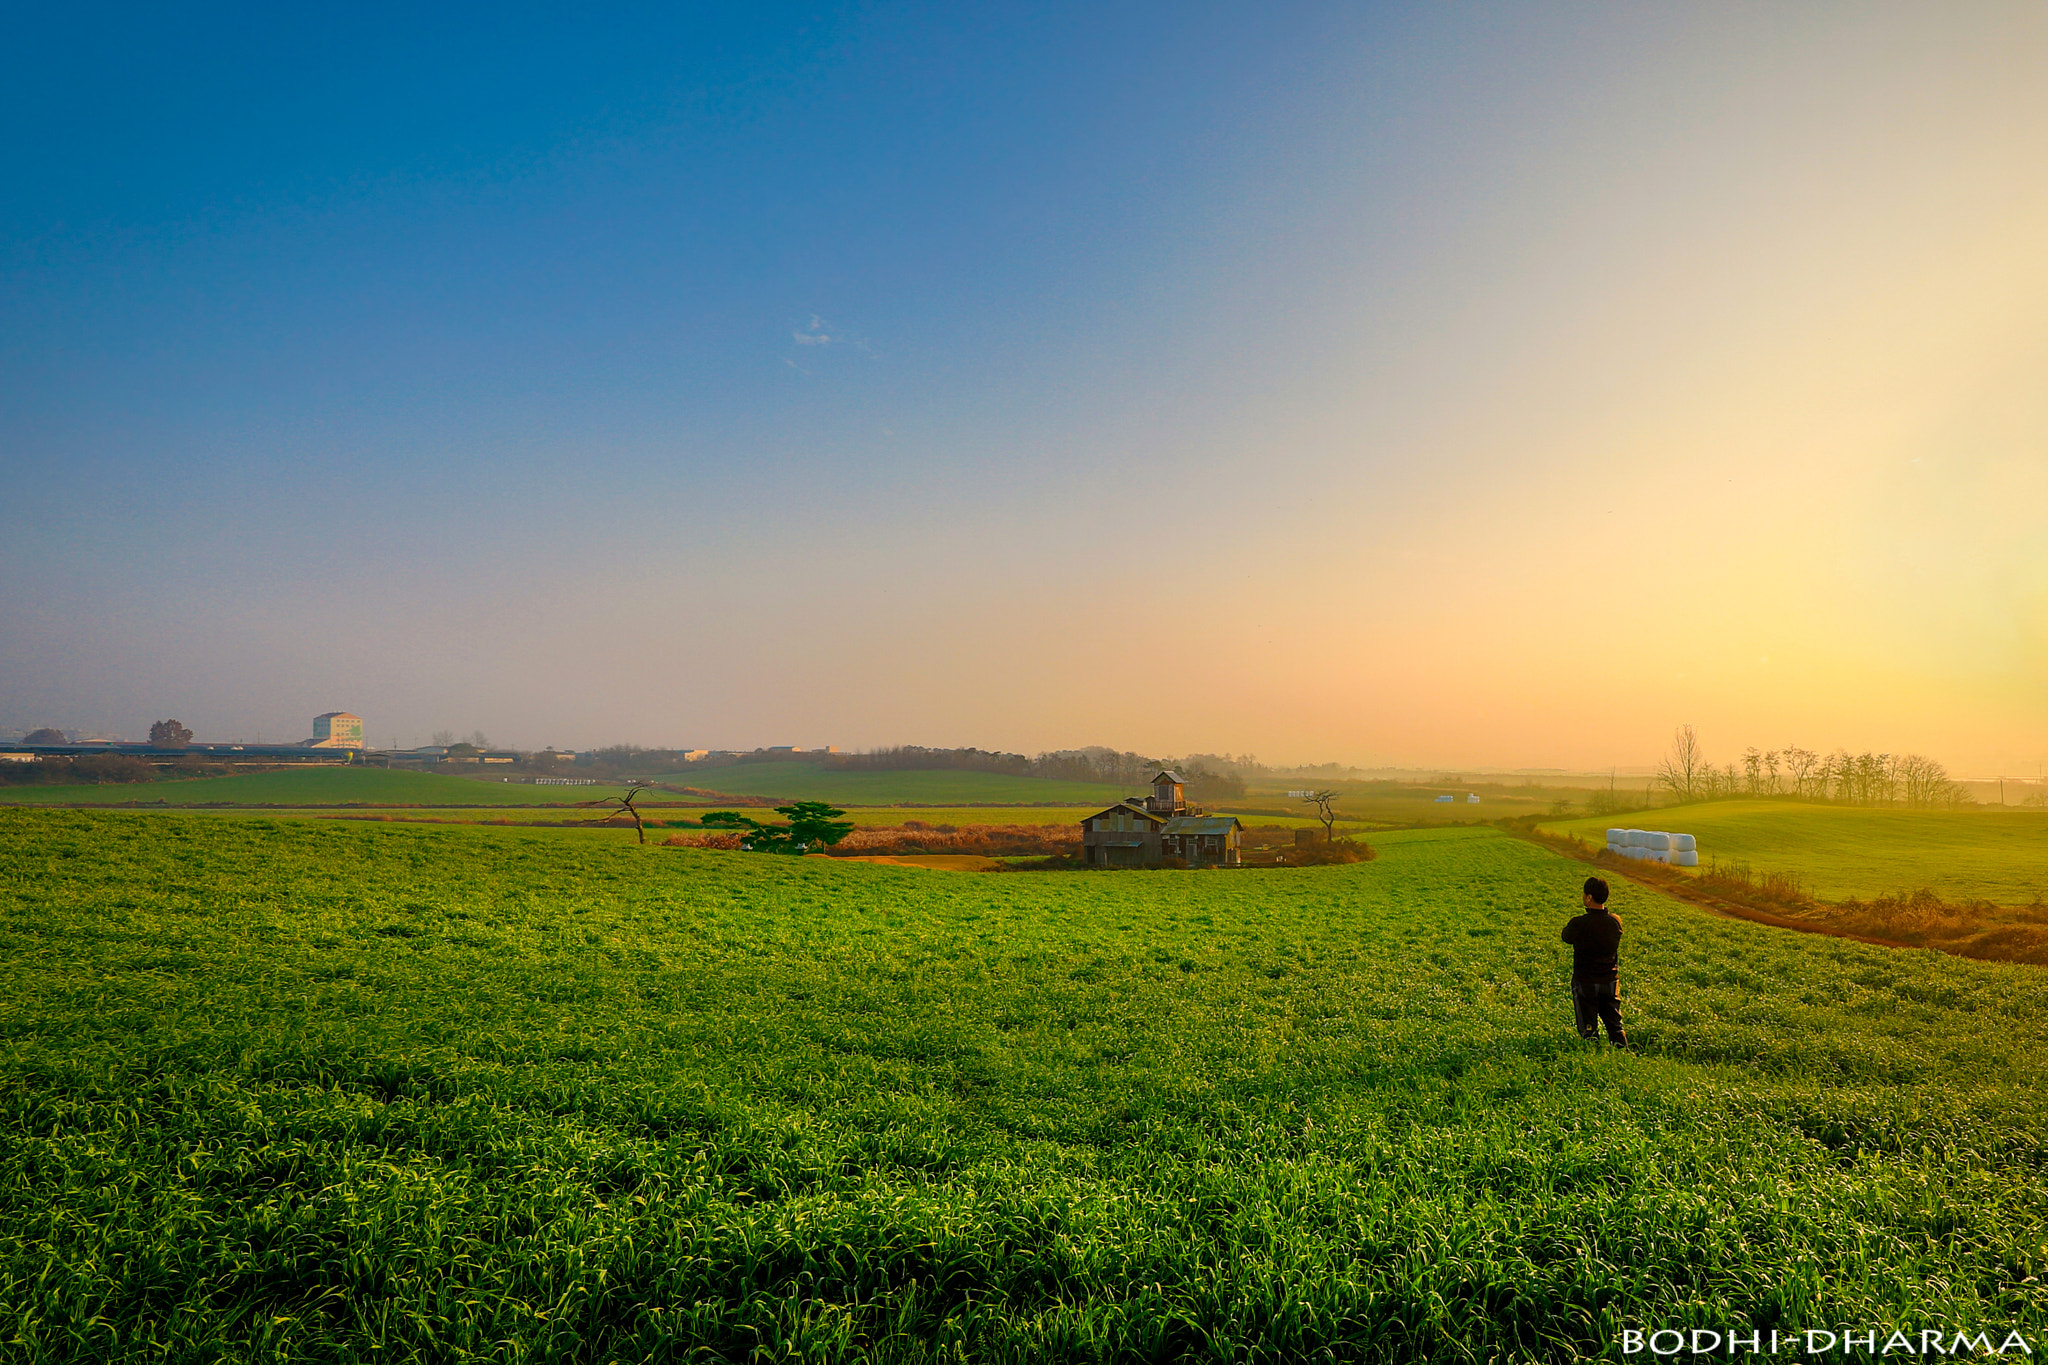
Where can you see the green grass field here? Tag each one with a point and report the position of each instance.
(657, 814)
(377, 786)
(319, 1091)
(1841, 852)
(807, 782)
(310, 787)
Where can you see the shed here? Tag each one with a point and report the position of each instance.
(1203, 840)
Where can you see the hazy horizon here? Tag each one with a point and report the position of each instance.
(1458, 387)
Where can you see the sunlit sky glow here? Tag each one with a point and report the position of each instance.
(1424, 385)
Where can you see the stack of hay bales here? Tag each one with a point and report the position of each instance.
(1657, 846)
(1685, 850)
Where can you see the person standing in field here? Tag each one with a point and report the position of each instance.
(1596, 969)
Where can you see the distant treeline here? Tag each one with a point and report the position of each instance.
(1865, 779)
(1118, 769)
(99, 769)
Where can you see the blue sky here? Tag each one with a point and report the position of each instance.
(895, 373)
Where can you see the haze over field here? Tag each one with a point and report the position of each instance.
(1454, 386)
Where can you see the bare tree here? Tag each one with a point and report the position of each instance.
(1924, 783)
(1800, 765)
(1682, 771)
(1836, 776)
(625, 805)
(1326, 812)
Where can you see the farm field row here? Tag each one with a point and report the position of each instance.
(808, 782)
(309, 1090)
(380, 786)
(1844, 852)
(985, 798)
(310, 787)
(657, 816)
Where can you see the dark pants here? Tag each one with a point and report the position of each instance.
(1595, 1003)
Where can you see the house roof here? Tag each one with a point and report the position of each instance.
(1171, 776)
(1202, 824)
(1132, 806)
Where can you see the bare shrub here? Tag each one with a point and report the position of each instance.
(1332, 852)
(730, 842)
(1736, 880)
(96, 769)
(990, 841)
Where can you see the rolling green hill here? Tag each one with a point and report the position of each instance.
(300, 1091)
(310, 787)
(807, 782)
(1842, 852)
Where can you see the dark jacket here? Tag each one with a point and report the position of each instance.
(1596, 942)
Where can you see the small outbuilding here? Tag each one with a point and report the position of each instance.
(1203, 840)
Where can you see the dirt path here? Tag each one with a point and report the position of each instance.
(1682, 889)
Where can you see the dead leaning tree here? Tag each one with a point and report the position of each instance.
(625, 807)
(1321, 801)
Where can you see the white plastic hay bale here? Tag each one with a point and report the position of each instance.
(1658, 841)
(1637, 838)
(1686, 859)
(1683, 843)
(1615, 838)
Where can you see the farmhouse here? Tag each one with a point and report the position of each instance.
(1146, 831)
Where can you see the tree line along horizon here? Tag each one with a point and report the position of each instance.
(1684, 774)
(1914, 781)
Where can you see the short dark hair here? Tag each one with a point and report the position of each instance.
(1597, 889)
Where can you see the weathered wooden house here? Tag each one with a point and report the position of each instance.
(1146, 831)
(1202, 840)
(1125, 835)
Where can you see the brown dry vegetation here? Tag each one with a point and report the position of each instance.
(1281, 846)
(729, 842)
(1915, 919)
(988, 841)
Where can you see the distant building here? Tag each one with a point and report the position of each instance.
(336, 730)
(436, 756)
(1146, 831)
(1472, 798)
(692, 755)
